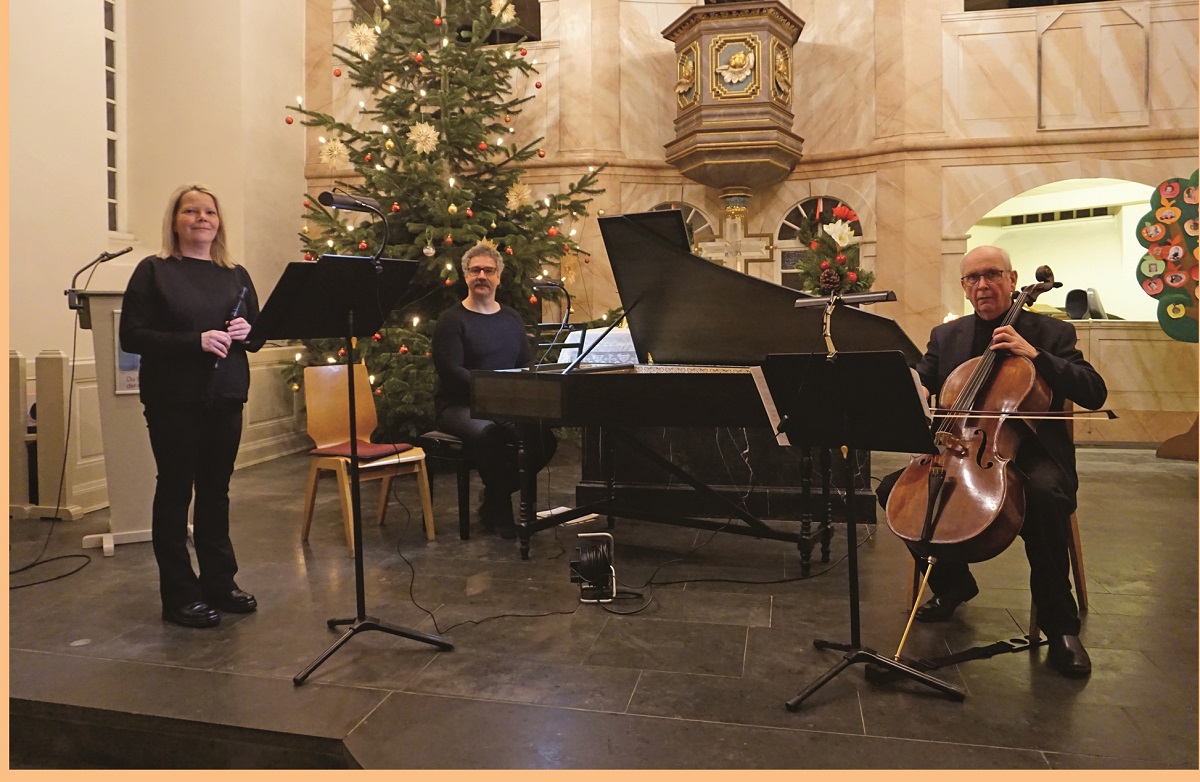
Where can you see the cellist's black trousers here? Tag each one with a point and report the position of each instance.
(1046, 532)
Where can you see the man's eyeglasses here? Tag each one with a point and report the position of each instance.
(475, 271)
(991, 275)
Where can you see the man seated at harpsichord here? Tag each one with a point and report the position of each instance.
(482, 333)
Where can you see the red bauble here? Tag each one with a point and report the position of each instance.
(449, 239)
(308, 256)
(376, 337)
(814, 244)
(449, 282)
(469, 212)
(851, 276)
(587, 259)
(378, 391)
(426, 354)
(437, 21)
(367, 158)
(482, 145)
(508, 118)
(341, 351)
(418, 58)
(541, 153)
(824, 265)
(532, 299)
(337, 71)
(508, 250)
(362, 245)
(537, 84)
(552, 231)
(566, 248)
(839, 258)
(403, 349)
(288, 120)
(395, 207)
(307, 203)
(524, 51)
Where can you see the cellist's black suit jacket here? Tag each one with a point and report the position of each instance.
(1059, 361)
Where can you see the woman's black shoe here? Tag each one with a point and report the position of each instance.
(198, 614)
(234, 601)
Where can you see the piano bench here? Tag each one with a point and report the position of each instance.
(447, 447)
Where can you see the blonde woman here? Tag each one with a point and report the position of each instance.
(187, 311)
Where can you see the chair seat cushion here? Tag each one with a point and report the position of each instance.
(367, 452)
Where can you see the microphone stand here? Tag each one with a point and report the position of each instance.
(546, 282)
(73, 300)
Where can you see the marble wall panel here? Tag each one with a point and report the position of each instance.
(833, 98)
(1173, 64)
(989, 73)
(647, 78)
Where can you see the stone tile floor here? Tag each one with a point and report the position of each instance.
(693, 674)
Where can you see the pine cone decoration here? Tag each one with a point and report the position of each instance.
(830, 281)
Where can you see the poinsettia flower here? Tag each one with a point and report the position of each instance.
(843, 212)
(841, 233)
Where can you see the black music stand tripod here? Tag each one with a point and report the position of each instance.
(864, 401)
(341, 296)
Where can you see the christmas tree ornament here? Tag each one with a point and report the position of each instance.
(288, 120)
(541, 153)
(341, 351)
(493, 225)
(334, 153)
(307, 203)
(379, 391)
(403, 349)
(508, 250)
(532, 299)
(304, 228)
(418, 58)
(362, 245)
(852, 276)
(337, 72)
(840, 258)
(437, 21)
(452, 209)
(449, 239)
(376, 337)
(469, 212)
(552, 231)
(308, 256)
(537, 84)
(395, 207)
(424, 137)
(482, 146)
(449, 282)
(367, 158)
(830, 281)
(362, 40)
(524, 51)
(824, 265)
(508, 118)
(429, 251)
(389, 144)
(814, 244)
(587, 259)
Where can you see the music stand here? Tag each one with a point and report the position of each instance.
(341, 296)
(875, 406)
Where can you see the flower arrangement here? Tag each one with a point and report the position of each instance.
(831, 263)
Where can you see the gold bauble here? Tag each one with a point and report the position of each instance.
(389, 144)
(452, 209)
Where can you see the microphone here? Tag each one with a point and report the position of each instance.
(73, 300)
(233, 313)
(348, 202)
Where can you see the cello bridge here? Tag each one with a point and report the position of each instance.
(950, 441)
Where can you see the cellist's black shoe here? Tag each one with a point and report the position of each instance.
(196, 614)
(940, 608)
(1068, 656)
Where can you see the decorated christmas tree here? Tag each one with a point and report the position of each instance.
(433, 144)
(831, 264)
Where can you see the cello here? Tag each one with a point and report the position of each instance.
(967, 503)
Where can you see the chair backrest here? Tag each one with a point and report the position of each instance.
(325, 395)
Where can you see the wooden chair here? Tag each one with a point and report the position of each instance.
(325, 396)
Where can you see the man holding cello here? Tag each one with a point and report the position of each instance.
(1045, 458)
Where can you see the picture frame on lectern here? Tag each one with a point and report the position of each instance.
(127, 365)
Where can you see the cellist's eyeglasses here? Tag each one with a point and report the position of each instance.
(991, 275)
